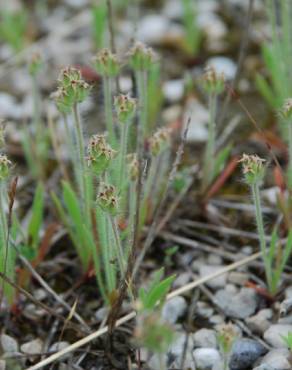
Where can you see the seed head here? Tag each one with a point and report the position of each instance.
(106, 63)
(213, 82)
(141, 57)
(159, 141)
(226, 335)
(107, 199)
(125, 107)
(5, 165)
(253, 168)
(286, 110)
(35, 64)
(71, 90)
(100, 154)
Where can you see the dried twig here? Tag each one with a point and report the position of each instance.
(186, 288)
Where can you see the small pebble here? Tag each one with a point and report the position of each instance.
(275, 333)
(8, 344)
(259, 323)
(244, 353)
(205, 338)
(206, 358)
(237, 278)
(219, 281)
(240, 305)
(278, 359)
(32, 347)
(174, 309)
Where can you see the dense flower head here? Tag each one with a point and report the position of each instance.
(159, 141)
(106, 63)
(5, 165)
(100, 154)
(35, 64)
(141, 57)
(213, 82)
(71, 90)
(226, 334)
(125, 107)
(253, 168)
(107, 199)
(286, 110)
(133, 166)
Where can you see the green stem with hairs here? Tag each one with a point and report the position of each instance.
(261, 232)
(141, 77)
(290, 155)
(118, 244)
(107, 90)
(208, 167)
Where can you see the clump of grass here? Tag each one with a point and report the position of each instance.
(277, 55)
(192, 33)
(288, 340)
(100, 212)
(275, 257)
(35, 140)
(13, 26)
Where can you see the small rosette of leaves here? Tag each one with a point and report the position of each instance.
(5, 165)
(213, 82)
(100, 154)
(141, 57)
(253, 168)
(71, 90)
(108, 199)
(226, 335)
(106, 63)
(125, 108)
(159, 141)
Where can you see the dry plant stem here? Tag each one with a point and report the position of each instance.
(154, 226)
(41, 281)
(132, 314)
(42, 305)
(261, 231)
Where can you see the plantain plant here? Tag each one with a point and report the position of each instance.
(99, 207)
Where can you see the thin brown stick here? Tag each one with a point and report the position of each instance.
(186, 288)
(40, 304)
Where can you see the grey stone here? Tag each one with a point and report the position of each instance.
(264, 367)
(259, 323)
(237, 278)
(174, 309)
(206, 358)
(278, 359)
(275, 333)
(198, 116)
(59, 346)
(173, 90)
(205, 338)
(176, 351)
(244, 353)
(152, 28)
(32, 347)
(223, 65)
(240, 305)
(219, 281)
(8, 344)
(204, 310)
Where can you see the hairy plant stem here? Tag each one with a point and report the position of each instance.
(290, 155)
(83, 186)
(141, 77)
(208, 167)
(107, 91)
(3, 222)
(261, 232)
(123, 153)
(118, 244)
